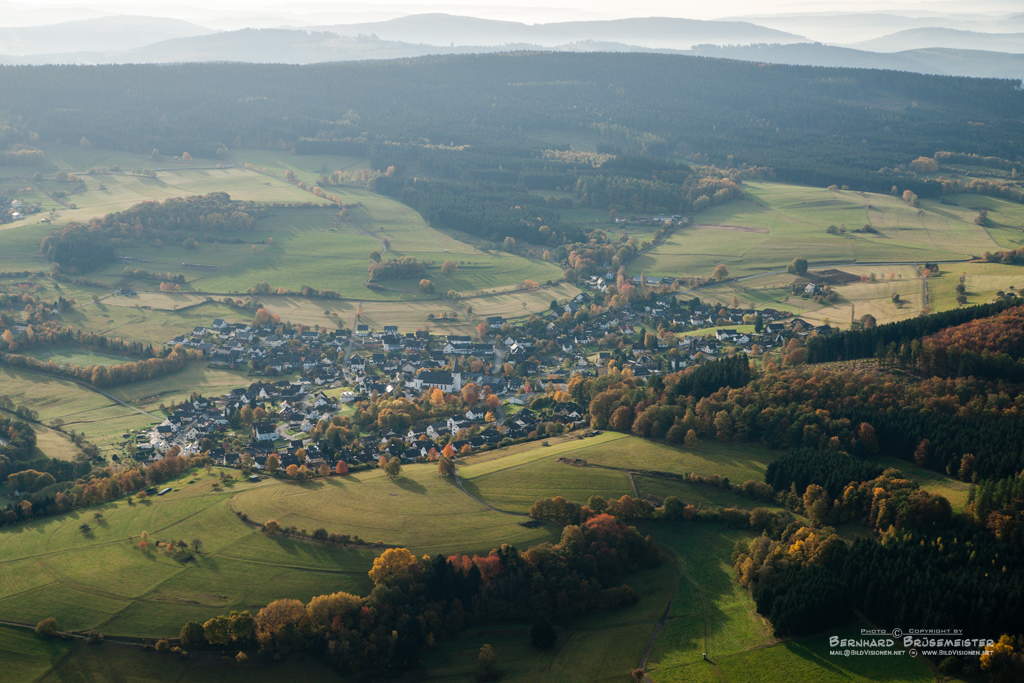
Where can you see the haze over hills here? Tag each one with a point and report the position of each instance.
(932, 49)
(653, 32)
(938, 61)
(848, 28)
(113, 34)
(920, 38)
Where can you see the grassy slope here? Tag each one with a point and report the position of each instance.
(779, 222)
(101, 580)
(24, 657)
(27, 659)
(311, 246)
(604, 646)
(516, 481)
(713, 614)
(418, 510)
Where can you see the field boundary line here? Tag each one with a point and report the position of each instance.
(546, 455)
(89, 387)
(458, 482)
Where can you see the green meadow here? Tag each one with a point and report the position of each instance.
(101, 579)
(711, 613)
(72, 356)
(514, 482)
(292, 248)
(90, 663)
(774, 223)
(419, 510)
(24, 657)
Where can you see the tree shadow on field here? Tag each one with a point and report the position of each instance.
(704, 600)
(310, 484)
(207, 562)
(818, 661)
(411, 485)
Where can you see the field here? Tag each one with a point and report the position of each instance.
(516, 481)
(808, 659)
(294, 247)
(113, 663)
(775, 223)
(25, 657)
(711, 613)
(73, 356)
(953, 490)
(101, 419)
(873, 294)
(514, 305)
(419, 510)
(101, 580)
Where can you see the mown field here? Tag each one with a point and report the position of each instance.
(50, 443)
(873, 296)
(775, 223)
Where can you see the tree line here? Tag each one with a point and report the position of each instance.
(79, 248)
(64, 490)
(865, 343)
(417, 603)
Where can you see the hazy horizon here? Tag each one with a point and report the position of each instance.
(232, 14)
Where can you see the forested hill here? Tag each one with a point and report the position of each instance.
(811, 124)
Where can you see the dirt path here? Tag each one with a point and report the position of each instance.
(654, 636)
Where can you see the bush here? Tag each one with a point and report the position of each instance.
(47, 628)
(192, 634)
(162, 645)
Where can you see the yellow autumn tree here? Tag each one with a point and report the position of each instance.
(392, 562)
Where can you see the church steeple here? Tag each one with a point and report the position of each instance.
(456, 376)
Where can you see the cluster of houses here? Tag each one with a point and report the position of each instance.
(188, 425)
(202, 425)
(15, 210)
(366, 363)
(264, 351)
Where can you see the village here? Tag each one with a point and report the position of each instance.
(506, 389)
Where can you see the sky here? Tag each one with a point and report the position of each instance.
(225, 14)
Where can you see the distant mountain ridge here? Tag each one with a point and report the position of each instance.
(652, 32)
(382, 40)
(102, 34)
(923, 38)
